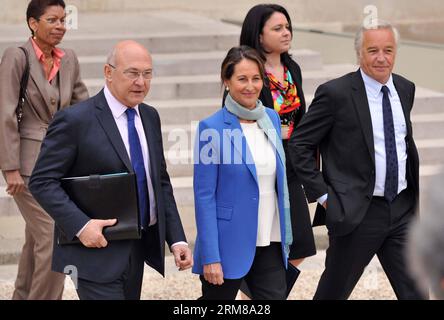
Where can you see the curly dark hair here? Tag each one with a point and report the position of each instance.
(37, 8)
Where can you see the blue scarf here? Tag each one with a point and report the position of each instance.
(264, 122)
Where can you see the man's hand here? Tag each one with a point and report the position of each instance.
(213, 273)
(15, 183)
(296, 262)
(325, 205)
(92, 236)
(182, 256)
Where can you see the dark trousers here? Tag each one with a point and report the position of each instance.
(127, 287)
(266, 278)
(383, 232)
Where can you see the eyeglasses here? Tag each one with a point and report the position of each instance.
(134, 74)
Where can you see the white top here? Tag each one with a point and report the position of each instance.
(264, 157)
(374, 96)
(118, 111)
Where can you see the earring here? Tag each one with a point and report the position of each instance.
(227, 89)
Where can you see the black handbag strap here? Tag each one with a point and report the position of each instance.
(23, 86)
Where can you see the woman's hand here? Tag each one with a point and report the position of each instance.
(15, 183)
(213, 273)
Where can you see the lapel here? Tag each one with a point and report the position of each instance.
(106, 120)
(148, 127)
(64, 81)
(266, 97)
(295, 72)
(405, 98)
(37, 74)
(273, 137)
(232, 123)
(360, 100)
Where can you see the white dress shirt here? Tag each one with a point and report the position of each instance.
(118, 110)
(374, 97)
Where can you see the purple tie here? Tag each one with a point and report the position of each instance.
(391, 157)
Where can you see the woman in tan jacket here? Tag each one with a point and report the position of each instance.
(54, 83)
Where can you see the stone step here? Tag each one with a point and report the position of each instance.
(101, 44)
(428, 126)
(180, 163)
(172, 31)
(191, 63)
(431, 151)
(187, 110)
(173, 112)
(12, 238)
(7, 204)
(209, 86)
(428, 101)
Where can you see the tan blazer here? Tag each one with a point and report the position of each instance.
(19, 149)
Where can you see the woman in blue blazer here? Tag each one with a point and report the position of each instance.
(240, 189)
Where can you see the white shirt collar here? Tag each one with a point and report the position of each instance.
(117, 108)
(374, 87)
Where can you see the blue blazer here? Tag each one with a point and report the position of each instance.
(226, 196)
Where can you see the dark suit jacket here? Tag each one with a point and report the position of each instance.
(339, 122)
(83, 140)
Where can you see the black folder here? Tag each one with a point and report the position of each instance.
(106, 197)
(292, 274)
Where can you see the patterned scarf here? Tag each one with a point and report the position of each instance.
(285, 98)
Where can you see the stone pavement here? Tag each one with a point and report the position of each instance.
(186, 286)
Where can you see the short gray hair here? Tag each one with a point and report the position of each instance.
(380, 25)
(111, 58)
(426, 240)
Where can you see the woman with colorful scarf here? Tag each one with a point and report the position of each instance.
(267, 28)
(240, 190)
